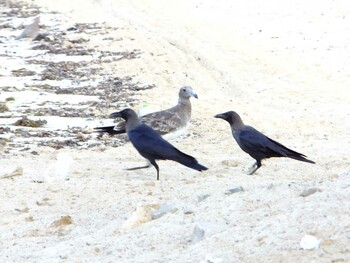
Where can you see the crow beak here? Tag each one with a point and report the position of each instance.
(221, 116)
(115, 114)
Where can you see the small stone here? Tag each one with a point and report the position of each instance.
(327, 242)
(198, 233)
(234, 189)
(309, 191)
(270, 186)
(309, 242)
(29, 219)
(188, 211)
(202, 197)
(164, 209)
(23, 210)
(150, 183)
(204, 229)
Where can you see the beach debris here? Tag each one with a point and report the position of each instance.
(26, 122)
(309, 191)
(62, 165)
(234, 189)
(164, 209)
(31, 30)
(309, 242)
(59, 170)
(3, 107)
(17, 172)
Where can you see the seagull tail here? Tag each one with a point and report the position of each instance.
(109, 129)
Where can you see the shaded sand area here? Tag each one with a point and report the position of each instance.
(66, 196)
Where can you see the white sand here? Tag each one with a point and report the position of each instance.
(284, 66)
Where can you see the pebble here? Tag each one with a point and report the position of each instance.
(164, 209)
(309, 191)
(202, 197)
(204, 229)
(198, 233)
(234, 189)
(211, 259)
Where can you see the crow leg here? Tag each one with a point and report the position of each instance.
(153, 162)
(254, 167)
(138, 167)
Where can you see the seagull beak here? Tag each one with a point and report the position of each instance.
(115, 114)
(194, 95)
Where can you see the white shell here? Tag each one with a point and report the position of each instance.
(309, 242)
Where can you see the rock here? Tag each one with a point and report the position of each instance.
(142, 215)
(309, 242)
(234, 189)
(204, 229)
(64, 220)
(198, 233)
(167, 208)
(202, 197)
(309, 191)
(188, 210)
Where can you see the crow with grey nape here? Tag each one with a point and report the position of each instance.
(151, 145)
(256, 144)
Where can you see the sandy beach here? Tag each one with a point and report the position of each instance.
(66, 194)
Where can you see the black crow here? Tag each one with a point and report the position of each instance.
(151, 145)
(256, 144)
(170, 122)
